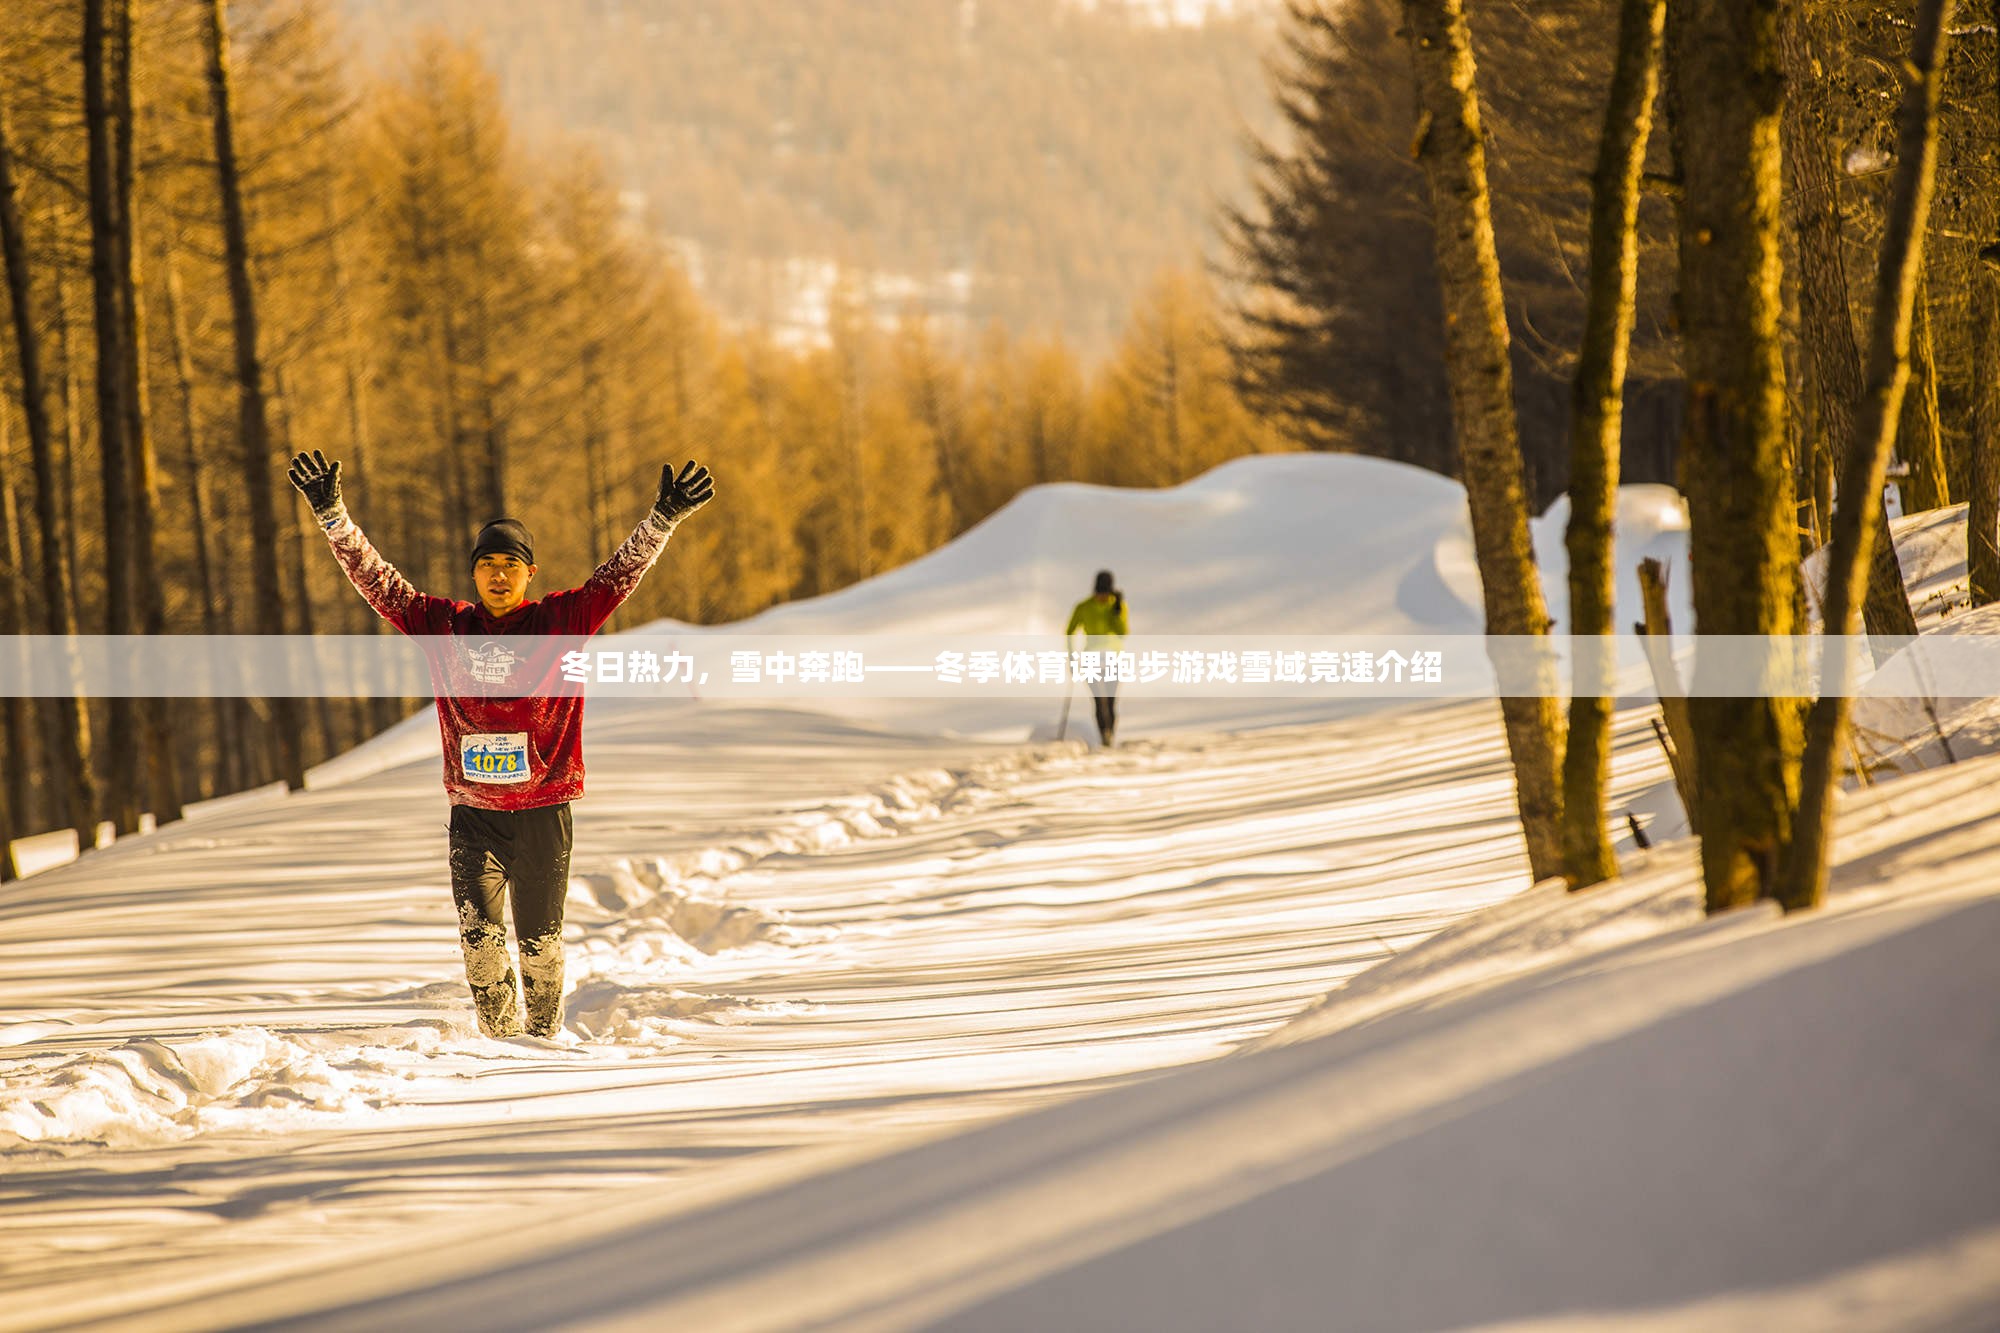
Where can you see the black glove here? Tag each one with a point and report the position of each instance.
(317, 480)
(682, 495)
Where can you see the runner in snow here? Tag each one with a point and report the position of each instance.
(512, 764)
(1102, 620)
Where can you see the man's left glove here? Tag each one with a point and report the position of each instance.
(319, 481)
(682, 495)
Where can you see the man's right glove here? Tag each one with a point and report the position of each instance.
(319, 481)
(682, 495)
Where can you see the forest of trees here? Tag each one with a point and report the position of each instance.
(1336, 248)
(1807, 258)
(1750, 246)
(224, 244)
(1058, 154)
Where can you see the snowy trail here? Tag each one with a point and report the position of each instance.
(921, 936)
(1569, 1112)
(892, 1012)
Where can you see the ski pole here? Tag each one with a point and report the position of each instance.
(1069, 692)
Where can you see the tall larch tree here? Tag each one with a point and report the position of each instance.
(1826, 312)
(1597, 409)
(71, 721)
(1803, 883)
(1735, 458)
(1450, 146)
(257, 463)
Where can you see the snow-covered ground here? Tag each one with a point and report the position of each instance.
(886, 1014)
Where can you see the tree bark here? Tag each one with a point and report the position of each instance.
(1982, 518)
(1803, 884)
(315, 717)
(23, 763)
(458, 495)
(492, 431)
(1734, 464)
(1450, 146)
(162, 766)
(1596, 416)
(72, 430)
(226, 713)
(71, 719)
(595, 484)
(1828, 327)
(376, 713)
(254, 428)
(1920, 436)
(10, 869)
(113, 417)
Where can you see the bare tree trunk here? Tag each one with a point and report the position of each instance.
(1451, 147)
(1801, 415)
(17, 740)
(113, 416)
(1920, 436)
(10, 869)
(246, 765)
(300, 533)
(257, 462)
(22, 759)
(162, 768)
(944, 442)
(226, 714)
(1734, 465)
(1803, 883)
(373, 714)
(594, 480)
(71, 720)
(492, 433)
(359, 441)
(1982, 518)
(1828, 327)
(851, 450)
(1597, 412)
(458, 496)
(72, 432)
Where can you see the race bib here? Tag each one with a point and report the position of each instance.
(497, 757)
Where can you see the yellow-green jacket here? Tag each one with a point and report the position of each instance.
(1106, 623)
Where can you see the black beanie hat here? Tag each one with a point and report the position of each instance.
(505, 536)
(1104, 581)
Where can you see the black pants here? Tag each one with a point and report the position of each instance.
(1106, 704)
(526, 852)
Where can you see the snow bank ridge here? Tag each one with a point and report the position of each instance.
(163, 1090)
(682, 893)
(603, 1009)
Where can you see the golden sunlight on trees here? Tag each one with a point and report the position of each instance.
(224, 243)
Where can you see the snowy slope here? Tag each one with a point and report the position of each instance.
(1570, 1112)
(1286, 543)
(1301, 543)
(811, 950)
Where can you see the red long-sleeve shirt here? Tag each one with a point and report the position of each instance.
(523, 750)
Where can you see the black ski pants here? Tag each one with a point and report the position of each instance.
(524, 854)
(1104, 699)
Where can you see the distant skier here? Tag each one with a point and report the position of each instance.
(511, 765)
(1101, 619)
